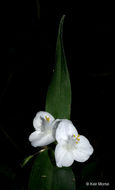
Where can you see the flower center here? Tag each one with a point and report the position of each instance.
(72, 140)
(45, 123)
(47, 118)
(76, 138)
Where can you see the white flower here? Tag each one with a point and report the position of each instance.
(45, 127)
(71, 146)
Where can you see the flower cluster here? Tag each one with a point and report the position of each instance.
(70, 145)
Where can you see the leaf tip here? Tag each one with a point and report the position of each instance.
(62, 18)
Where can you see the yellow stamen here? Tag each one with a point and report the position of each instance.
(78, 138)
(73, 135)
(47, 118)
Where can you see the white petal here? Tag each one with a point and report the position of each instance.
(64, 130)
(63, 157)
(34, 136)
(40, 139)
(37, 122)
(54, 126)
(83, 150)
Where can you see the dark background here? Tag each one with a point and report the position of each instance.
(26, 69)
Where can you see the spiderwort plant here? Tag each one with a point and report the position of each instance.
(70, 145)
(54, 124)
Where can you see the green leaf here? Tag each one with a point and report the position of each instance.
(63, 179)
(26, 160)
(58, 100)
(41, 173)
(45, 176)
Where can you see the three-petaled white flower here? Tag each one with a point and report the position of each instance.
(71, 146)
(45, 128)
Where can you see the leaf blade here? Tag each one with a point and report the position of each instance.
(41, 173)
(63, 179)
(45, 176)
(26, 160)
(58, 100)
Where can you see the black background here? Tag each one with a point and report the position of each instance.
(26, 70)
